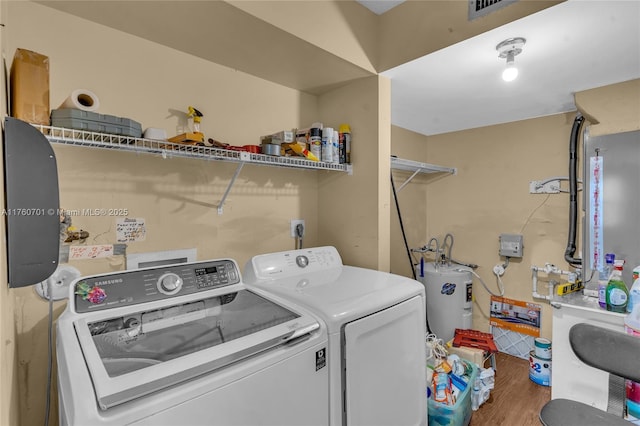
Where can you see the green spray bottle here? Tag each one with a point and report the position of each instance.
(617, 293)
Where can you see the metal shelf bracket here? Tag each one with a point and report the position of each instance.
(231, 182)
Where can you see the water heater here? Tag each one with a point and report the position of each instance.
(449, 297)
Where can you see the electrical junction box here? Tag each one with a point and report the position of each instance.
(511, 245)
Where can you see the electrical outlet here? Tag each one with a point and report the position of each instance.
(294, 224)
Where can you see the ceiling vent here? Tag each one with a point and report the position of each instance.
(479, 8)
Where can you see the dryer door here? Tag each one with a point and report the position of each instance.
(385, 375)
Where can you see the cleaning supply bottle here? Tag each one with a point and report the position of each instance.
(632, 402)
(335, 143)
(634, 292)
(345, 143)
(327, 146)
(603, 279)
(617, 293)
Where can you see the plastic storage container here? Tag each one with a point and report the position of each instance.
(91, 121)
(634, 291)
(632, 402)
(458, 414)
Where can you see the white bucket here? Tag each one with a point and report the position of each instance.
(542, 348)
(539, 369)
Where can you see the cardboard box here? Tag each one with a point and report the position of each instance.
(29, 87)
(285, 136)
(474, 355)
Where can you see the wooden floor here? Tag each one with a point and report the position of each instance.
(515, 399)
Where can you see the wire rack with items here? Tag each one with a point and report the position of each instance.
(166, 149)
(89, 139)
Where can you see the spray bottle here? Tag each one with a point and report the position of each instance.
(603, 279)
(196, 116)
(617, 293)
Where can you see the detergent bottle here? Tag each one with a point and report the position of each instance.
(632, 402)
(634, 292)
(617, 293)
(603, 279)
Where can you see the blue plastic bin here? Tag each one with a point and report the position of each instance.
(458, 414)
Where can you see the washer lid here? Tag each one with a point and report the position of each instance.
(131, 353)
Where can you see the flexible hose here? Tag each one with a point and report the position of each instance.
(406, 245)
(573, 192)
(47, 408)
(404, 235)
(500, 285)
(444, 242)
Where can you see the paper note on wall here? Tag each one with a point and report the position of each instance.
(130, 230)
(90, 252)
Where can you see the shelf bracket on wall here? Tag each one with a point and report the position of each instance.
(408, 179)
(231, 182)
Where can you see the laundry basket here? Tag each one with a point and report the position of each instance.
(458, 414)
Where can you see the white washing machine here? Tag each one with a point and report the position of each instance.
(376, 324)
(188, 344)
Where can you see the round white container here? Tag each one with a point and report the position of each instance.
(449, 298)
(542, 348)
(539, 369)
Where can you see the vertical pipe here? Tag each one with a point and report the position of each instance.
(573, 192)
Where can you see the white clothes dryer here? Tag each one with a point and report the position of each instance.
(376, 324)
(188, 344)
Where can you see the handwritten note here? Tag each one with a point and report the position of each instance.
(130, 230)
(90, 252)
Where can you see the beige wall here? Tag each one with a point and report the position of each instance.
(354, 210)
(490, 193)
(611, 109)
(489, 196)
(343, 28)
(411, 199)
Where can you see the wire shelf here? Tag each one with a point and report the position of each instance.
(415, 166)
(166, 149)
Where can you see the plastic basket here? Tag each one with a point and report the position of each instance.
(458, 414)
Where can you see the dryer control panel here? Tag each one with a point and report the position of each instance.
(146, 285)
(292, 263)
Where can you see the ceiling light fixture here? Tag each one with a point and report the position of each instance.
(509, 49)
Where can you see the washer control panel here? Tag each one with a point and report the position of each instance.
(146, 285)
(291, 263)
